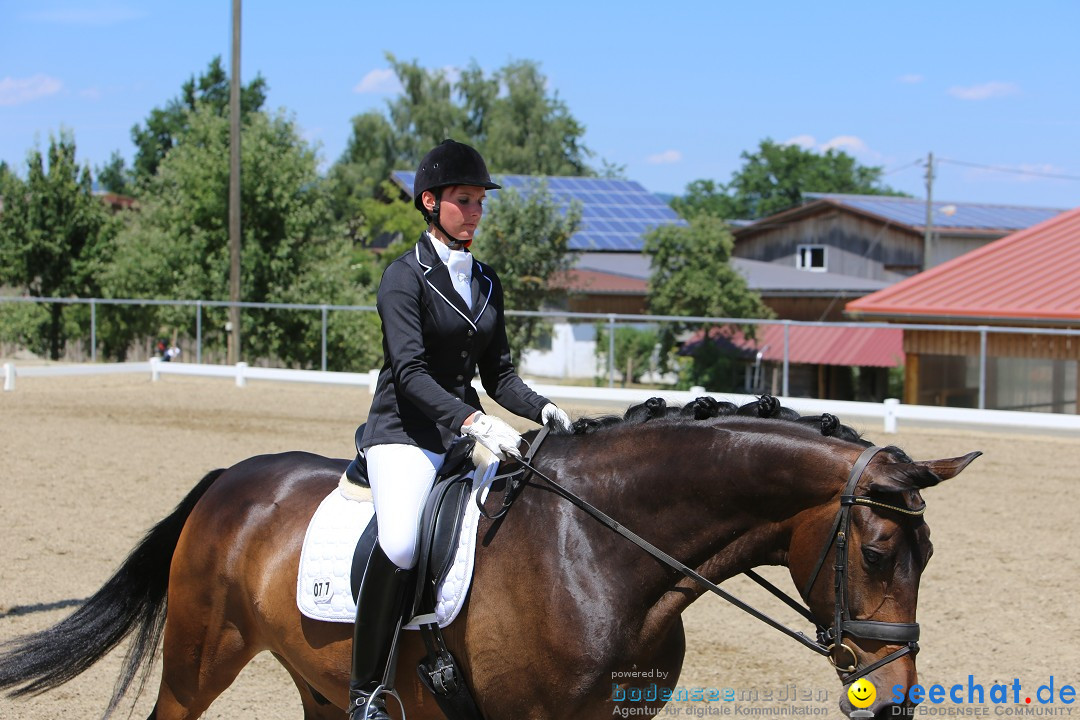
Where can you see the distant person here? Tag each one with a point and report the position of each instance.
(171, 354)
(442, 319)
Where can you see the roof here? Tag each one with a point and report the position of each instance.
(601, 283)
(1033, 275)
(947, 215)
(774, 279)
(819, 344)
(763, 277)
(615, 214)
(956, 218)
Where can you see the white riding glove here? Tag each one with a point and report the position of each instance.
(494, 434)
(555, 418)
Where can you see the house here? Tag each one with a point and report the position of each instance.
(1029, 279)
(877, 236)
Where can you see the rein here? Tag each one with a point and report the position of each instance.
(828, 639)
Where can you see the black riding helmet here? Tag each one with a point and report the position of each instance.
(449, 163)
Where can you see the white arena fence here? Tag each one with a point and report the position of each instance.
(598, 362)
(890, 414)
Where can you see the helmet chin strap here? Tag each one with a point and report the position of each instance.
(454, 243)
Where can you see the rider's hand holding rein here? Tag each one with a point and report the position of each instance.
(494, 434)
(555, 418)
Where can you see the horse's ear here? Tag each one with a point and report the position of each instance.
(900, 477)
(944, 469)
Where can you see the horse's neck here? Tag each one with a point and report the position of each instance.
(718, 501)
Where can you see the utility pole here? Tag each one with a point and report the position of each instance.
(928, 238)
(234, 190)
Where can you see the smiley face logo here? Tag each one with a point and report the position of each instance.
(862, 693)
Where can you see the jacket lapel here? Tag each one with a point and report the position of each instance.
(438, 278)
(481, 290)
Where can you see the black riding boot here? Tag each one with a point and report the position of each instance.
(379, 611)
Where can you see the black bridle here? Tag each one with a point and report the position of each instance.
(892, 633)
(830, 641)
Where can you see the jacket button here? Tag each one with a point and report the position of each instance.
(470, 333)
(464, 353)
(460, 378)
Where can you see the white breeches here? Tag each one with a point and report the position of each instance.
(401, 477)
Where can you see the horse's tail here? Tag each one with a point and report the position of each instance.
(132, 601)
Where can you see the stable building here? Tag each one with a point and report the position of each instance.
(1028, 279)
(878, 237)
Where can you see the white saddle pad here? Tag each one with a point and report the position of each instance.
(324, 583)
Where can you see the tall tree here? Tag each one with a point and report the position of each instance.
(115, 176)
(177, 246)
(693, 275)
(53, 228)
(525, 238)
(509, 116)
(775, 177)
(164, 125)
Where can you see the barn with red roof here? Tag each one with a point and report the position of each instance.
(1030, 278)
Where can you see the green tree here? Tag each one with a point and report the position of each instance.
(693, 275)
(115, 176)
(525, 238)
(52, 233)
(508, 116)
(634, 350)
(165, 125)
(775, 177)
(177, 246)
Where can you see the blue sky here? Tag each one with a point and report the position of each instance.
(673, 91)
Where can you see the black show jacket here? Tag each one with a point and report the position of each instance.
(433, 345)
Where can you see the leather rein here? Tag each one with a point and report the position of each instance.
(830, 641)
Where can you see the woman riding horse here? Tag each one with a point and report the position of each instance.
(442, 318)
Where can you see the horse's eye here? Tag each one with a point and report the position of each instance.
(872, 557)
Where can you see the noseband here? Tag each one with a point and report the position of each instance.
(888, 632)
(830, 641)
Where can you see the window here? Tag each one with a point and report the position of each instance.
(810, 257)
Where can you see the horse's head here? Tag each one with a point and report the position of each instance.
(857, 561)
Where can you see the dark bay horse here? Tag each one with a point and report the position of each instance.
(559, 604)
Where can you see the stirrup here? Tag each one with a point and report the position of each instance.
(366, 705)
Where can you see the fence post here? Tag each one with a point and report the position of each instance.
(891, 407)
(155, 369)
(93, 330)
(9, 377)
(982, 368)
(611, 351)
(324, 338)
(198, 332)
(241, 381)
(787, 354)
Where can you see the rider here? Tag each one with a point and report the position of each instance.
(442, 319)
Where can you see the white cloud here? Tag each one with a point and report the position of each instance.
(668, 157)
(91, 93)
(985, 91)
(807, 142)
(910, 79)
(846, 142)
(379, 81)
(101, 16)
(16, 91)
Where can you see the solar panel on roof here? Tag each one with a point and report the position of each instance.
(616, 214)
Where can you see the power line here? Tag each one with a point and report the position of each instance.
(913, 163)
(1015, 171)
